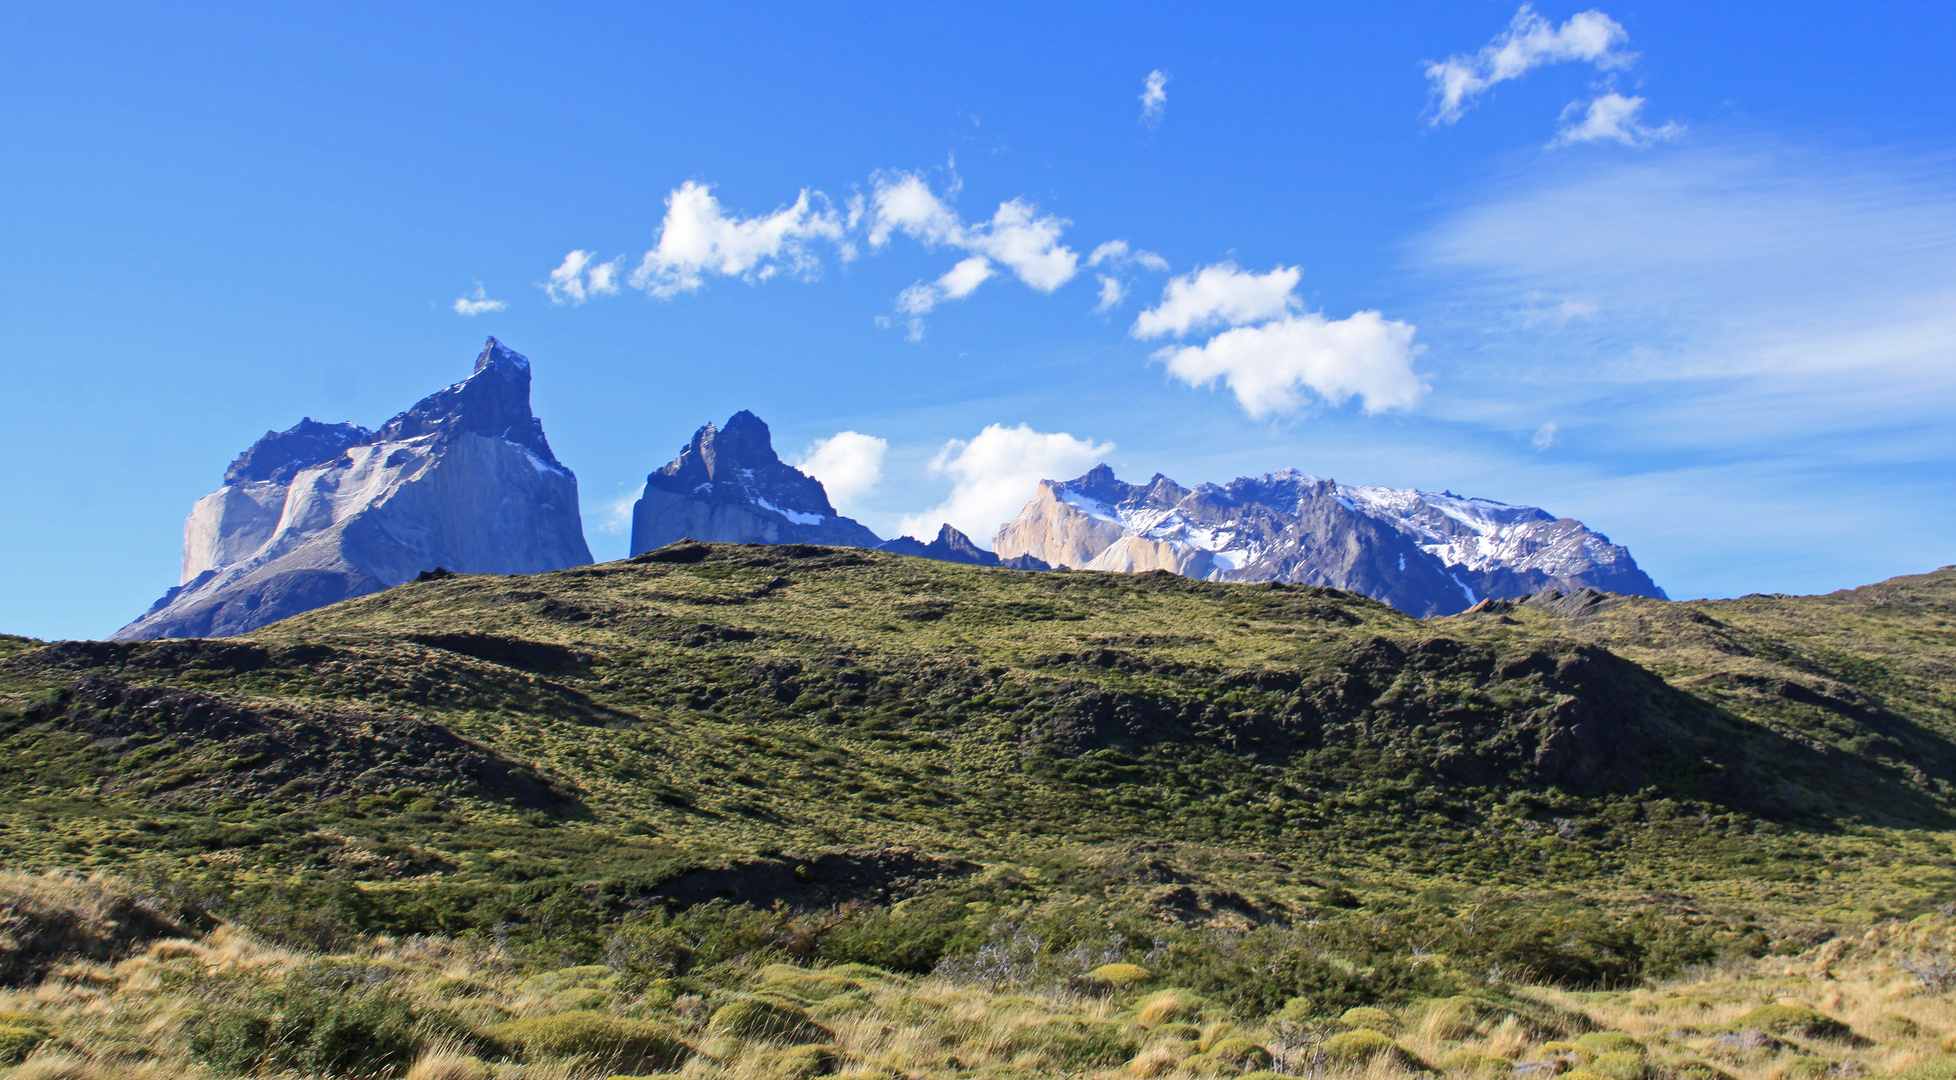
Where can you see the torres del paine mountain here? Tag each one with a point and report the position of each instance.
(465, 481)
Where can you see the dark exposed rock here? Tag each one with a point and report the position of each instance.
(729, 486)
(954, 546)
(279, 455)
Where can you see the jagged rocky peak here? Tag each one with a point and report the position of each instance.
(1424, 553)
(728, 485)
(279, 455)
(464, 480)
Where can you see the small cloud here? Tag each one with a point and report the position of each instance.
(1219, 294)
(1116, 253)
(477, 303)
(698, 238)
(1611, 118)
(1017, 237)
(1366, 356)
(1529, 42)
(849, 464)
(1154, 96)
(579, 278)
(996, 473)
(1545, 435)
(1112, 292)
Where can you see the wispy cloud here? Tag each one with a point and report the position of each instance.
(993, 474)
(1112, 292)
(1529, 42)
(1154, 96)
(477, 303)
(1611, 118)
(1749, 299)
(581, 277)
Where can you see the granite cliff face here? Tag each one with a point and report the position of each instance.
(320, 513)
(1423, 553)
(729, 486)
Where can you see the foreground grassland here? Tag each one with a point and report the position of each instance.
(914, 806)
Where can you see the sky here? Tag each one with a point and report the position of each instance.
(1684, 272)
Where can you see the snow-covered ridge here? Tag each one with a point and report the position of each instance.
(1426, 552)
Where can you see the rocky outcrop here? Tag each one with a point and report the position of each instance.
(1424, 553)
(729, 486)
(952, 545)
(320, 513)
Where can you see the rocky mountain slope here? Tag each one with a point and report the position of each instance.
(729, 485)
(464, 480)
(1423, 553)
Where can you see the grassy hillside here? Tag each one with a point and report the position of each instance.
(693, 763)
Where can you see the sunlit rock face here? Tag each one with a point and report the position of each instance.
(729, 486)
(463, 481)
(1421, 552)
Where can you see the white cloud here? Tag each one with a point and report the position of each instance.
(956, 284)
(579, 278)
(1219, 294)
(477, 303)
(1366, 356)
(1529, 42)
(1018, 237)
(995, 474)
(1154, 96)
(698, 238)
(1117, 253)
(1545, 435)
(1611, 118)
(849, 464)
(1112, 292)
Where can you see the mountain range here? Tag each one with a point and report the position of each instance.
(465, 481)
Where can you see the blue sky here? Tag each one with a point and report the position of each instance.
(1686, 275)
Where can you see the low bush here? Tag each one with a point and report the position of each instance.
(1597, 1043)
(615, 1042)
(1359, 1047)
(1365, 1016)
(321, 1021)
(18, 1042)
(767, 1019)
(797, 1062)
(1475, 1063)
(1793, 1020)
(1076, 1044)
(1240, 1054)
(1620, 1065)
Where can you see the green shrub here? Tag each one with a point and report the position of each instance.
(1619, 1065)
(1700, 1070)
(1122, 976)
(1598, 1043)
(1475, 1063)
(1361, 1046)
(17, 1042)
(1793, 1020)
(798, 1062)
(1176, 1032)
(320, 1021)
(1240, 1053)
(625, 1045)
(1076, 1044)
(808, 985)
(1365, 1016)
(769, 1019)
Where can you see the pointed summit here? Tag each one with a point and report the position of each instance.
(729, 485)
(494, 401)
(324, 512)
